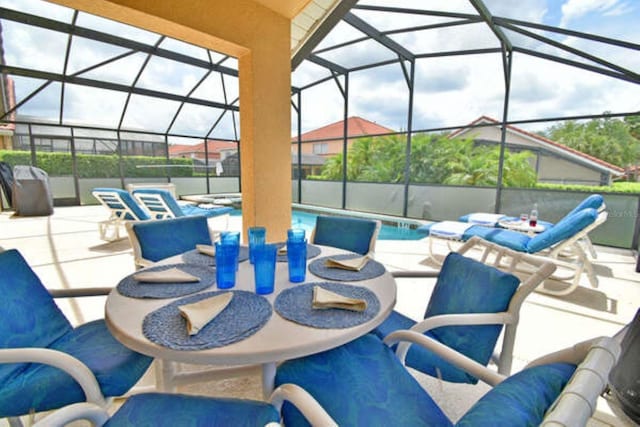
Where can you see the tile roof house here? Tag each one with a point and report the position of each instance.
(554, 162)
(216, 150)
(326, 141)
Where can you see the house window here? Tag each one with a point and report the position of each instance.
(321, 148)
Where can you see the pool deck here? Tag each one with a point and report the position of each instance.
(65, 251)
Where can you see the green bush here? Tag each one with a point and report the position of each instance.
(617, 187)
(101, 166)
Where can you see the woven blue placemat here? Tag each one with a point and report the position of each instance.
(245, 315)
(195, 257)
(369, 271)
(130, 287)
(295, 304)
(312, 252)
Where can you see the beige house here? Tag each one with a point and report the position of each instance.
(554, 162)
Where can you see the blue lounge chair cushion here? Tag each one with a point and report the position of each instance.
(351, 234)
(176, 209)
(568, 226)
(186, 232)
(171, 410)
(507, 238)
(594, 201)
(520, 400)
(129, 202)
(361, 383)
(116, 368)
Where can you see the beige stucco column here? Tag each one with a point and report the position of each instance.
(260, 39)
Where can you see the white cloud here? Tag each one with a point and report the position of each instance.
(575, 9)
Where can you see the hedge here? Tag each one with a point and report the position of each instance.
(101, 166)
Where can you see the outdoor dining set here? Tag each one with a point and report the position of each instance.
(314, 313)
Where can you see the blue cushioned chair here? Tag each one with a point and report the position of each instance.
(47, 363)
(159, 410)
(161, 204)
(470, 303)
(122, 208)
(153, 241)
(364, 383)
(559, 243)
(352, 234)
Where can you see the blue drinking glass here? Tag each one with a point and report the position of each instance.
(226, 258)
(297, 260)
(264, 268)
(232, 238)
(257, 236)
(295, 234)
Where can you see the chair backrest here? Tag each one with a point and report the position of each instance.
(155, 240)
(352, 234)
(568, 227)
(120, 203)
(30, 317)
(158, 202)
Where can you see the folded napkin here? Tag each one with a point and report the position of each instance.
(282, 250)
(199, 314)
(353, 264)
(206, 249)
(171, 275)
(323, 299)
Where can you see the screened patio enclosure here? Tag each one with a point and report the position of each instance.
(86, 86)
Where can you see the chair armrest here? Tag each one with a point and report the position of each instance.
(501, 318)
(407, 337)
(91, 412)
(63, 361)
(414, 274)
(304, 402)
(81, 292)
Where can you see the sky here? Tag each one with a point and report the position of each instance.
(448, 91)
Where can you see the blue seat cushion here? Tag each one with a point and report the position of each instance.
(190, 210)
(520, 400)
(351, 234)
(42, 387)
(125, 201)
(507, 238)
(361, 383)
(30, 317)
(168, 237)
(594, 201)
(465, 285)
(173, 410)
(420, 358)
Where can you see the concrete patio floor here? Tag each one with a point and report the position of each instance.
(66, 252)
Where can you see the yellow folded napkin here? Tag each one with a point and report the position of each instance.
(282, 250)
(206, 249)
(199, 314)
(354, 264)
(171, 275)
(323, 299)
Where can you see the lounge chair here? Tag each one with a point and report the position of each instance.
(122, 208)
(162, 205)
(595, 201)
(554, 243)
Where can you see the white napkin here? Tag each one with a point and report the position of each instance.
(282, 250)
(323, 299)
(199, 314)
(354, 264)
(206, 249)
(171, 275)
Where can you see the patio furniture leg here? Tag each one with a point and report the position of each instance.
(165, 371)
(268, 379)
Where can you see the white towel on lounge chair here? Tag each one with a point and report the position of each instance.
(486, 219)
(450, 229)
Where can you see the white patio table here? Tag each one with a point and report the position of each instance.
(278, 340)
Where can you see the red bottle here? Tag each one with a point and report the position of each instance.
(533, 216)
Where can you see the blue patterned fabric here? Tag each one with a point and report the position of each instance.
(351, 234)
(176, 209)
(130, 287)
(168, 237)
(175, 410)
(464, 285)
(520, 400)
(361, 383)
(128, 201)
(371, 270)
(30, 318)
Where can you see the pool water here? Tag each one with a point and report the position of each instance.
(307, 220)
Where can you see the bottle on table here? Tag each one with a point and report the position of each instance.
(533, 216)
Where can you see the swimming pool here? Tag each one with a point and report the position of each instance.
(307, 220)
